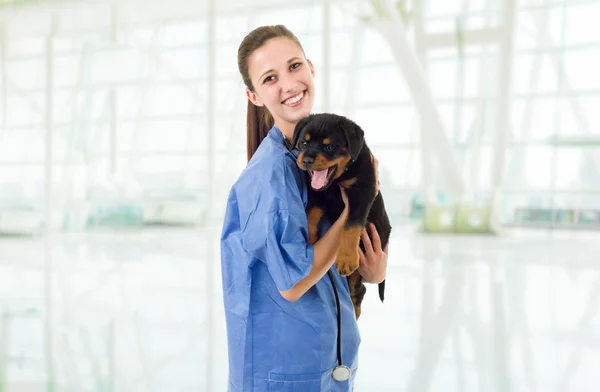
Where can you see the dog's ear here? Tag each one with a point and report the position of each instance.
(298, 130)
(355, 138)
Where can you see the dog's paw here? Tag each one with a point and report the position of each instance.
(345, 269)
(347, 261)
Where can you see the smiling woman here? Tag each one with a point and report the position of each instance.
(282, 320)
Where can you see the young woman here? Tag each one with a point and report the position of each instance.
(280, 307)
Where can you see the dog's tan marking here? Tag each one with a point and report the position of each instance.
(348, 183)
(307, 137)
(299, 161)
(314, 217)
(327, 141)
(342, 162)
(347, 257)
(353, 282)
(321, 163)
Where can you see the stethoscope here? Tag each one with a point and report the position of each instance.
(341, 372)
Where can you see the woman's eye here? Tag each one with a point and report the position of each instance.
(295, 65)
(268, 79)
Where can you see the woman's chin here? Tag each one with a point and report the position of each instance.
(298, 115)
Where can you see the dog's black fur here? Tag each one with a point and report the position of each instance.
(335, 143)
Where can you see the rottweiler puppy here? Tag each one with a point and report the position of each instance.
(332, 150)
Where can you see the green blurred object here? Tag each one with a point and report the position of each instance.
(473, 219)
(405, 14)
(581, 140)
(378, 8)
(564, 216)
(439, 219)
(588, 217)
(542, 215)
(523, 215)
(457, 219)
(557, 217)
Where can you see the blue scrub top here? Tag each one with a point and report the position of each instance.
(273, 344)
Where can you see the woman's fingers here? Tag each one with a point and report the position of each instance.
(376, 239)
(367, 244)
(362, 256)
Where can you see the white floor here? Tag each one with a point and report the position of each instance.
(129, 312)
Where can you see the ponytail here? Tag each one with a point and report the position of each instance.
(258, 123)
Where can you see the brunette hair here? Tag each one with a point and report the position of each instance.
(258, 119)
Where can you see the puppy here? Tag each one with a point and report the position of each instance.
(332, 150)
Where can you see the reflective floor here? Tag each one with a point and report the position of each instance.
(129, 312)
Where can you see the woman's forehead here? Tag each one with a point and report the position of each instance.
(274, 54)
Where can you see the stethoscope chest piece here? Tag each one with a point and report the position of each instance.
(341, 373)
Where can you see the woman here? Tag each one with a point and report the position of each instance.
(280, 308)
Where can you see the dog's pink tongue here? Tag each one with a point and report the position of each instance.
(319, 179)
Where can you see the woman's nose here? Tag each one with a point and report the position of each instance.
(288, 83)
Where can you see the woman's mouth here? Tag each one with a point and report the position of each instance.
(295, 100)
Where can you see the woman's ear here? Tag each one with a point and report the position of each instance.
(254, 98)
(312, 67)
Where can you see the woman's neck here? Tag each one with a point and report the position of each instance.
(287, 130)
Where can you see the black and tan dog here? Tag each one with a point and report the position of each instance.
(332, 150)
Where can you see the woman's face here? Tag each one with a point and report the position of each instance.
(283, 82)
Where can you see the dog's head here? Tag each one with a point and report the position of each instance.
(327, 144)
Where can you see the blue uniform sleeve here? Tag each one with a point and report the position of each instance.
(276, 232)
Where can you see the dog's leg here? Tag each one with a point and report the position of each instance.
(315, 214)
(348, 257)
(357, 291)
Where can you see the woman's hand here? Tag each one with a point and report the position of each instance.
(373, 261)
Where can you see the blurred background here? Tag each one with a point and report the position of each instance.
(122, 129)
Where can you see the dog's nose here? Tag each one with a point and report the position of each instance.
(307, 161)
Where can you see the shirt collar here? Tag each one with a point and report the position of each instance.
(277, 136)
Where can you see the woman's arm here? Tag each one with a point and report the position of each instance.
(325, 252)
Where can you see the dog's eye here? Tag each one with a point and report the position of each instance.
(328, 148)
(304, 143)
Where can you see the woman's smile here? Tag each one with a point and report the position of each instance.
(295, 100)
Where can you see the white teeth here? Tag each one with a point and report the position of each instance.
(295, 99)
